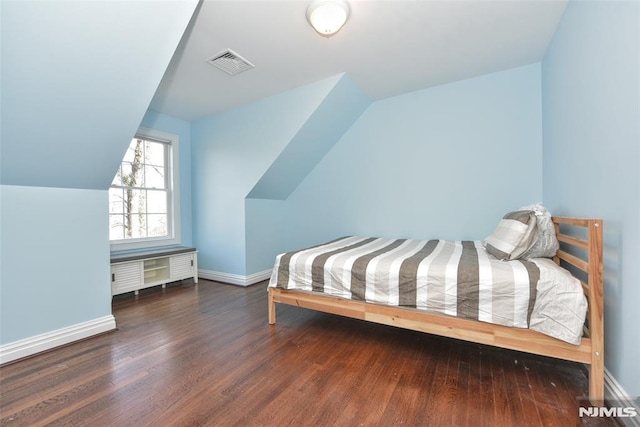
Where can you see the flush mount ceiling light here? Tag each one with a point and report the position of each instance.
(327, 16)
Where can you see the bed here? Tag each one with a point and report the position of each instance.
(457, 315)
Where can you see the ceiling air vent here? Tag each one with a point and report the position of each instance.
(230, 62)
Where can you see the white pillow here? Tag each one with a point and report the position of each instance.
(515, 234)
(546, 244)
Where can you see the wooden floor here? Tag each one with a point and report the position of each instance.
(205, 355)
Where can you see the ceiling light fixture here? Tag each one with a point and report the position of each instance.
(327, 16)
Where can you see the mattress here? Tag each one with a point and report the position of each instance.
(455, 278)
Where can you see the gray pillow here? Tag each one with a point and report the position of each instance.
(515, 234)
(546, 244)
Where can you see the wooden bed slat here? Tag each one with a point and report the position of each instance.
(566, 220)
(574, 260)
(585, 288)
(573, 241)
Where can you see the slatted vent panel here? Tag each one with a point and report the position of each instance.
(230, 62)
(182, 266)
(125, 277)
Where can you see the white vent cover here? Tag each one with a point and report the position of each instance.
(230, 62)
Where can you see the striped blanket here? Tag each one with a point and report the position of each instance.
(457, 278)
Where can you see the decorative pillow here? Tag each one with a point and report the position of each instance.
(546, 244)
(515, 234)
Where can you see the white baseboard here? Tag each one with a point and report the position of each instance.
(235, 279)
(39, 343)
(613, 391)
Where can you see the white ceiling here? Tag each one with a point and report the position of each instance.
(387, 47)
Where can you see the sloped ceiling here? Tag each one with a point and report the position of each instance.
(388, 47)
(77, 78)
(320, 132)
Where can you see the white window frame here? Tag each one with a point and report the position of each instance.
(173, 208)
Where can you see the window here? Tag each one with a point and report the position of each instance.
(143, 197)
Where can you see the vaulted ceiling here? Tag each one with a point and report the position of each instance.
(387, 47)
(77, 78)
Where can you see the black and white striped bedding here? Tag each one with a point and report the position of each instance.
(457, 278)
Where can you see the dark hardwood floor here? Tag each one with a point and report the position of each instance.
(205, 355)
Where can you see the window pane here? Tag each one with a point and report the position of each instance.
(136, 144)
(157, 225)
(130, 153)
(154, 177)
(156, 202)
(132, 174)
(117, 180)
(137, 227)
(116, 227)
(116, 201)
(138, 201)
(155, 153)
(128, 225)
(125, 173)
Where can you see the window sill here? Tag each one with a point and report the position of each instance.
(124, 245)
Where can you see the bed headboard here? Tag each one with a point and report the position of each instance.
(581, 248)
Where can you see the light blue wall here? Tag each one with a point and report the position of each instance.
(265, 213)
(338, 111)
(164, 123)
(54, 259)
(230, 153)
(445, 162)
(591, 104)
(77, 78)
(265, 233)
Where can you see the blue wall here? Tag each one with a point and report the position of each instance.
(77, 78)
(231, 152)
(265, 233)
(54, 259)
(591, 104)
(444, 162)
(334, 115)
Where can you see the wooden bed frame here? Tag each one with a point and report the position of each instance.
(590, 351)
